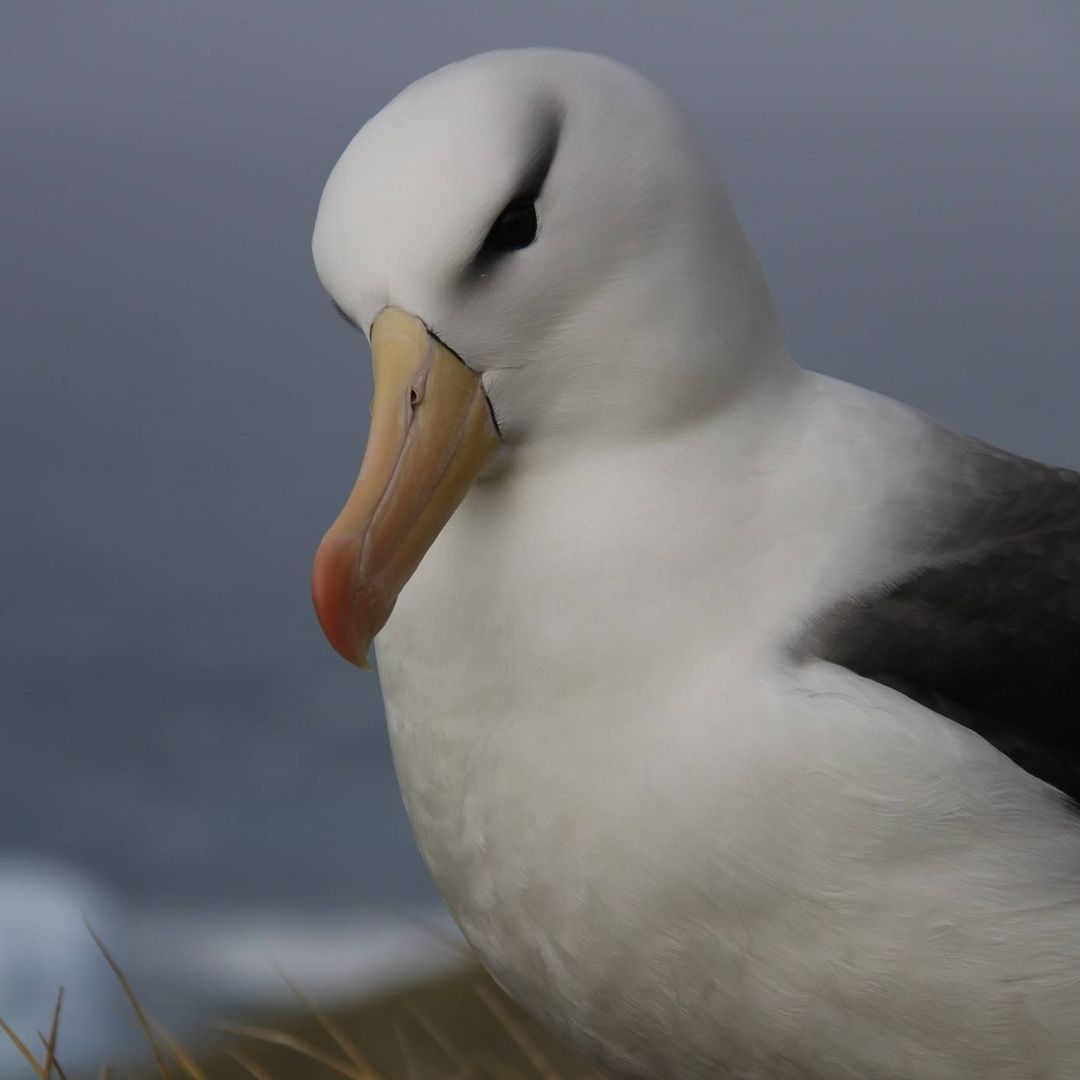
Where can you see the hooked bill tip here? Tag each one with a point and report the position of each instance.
(334, 591)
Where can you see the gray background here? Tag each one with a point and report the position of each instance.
(181, 414)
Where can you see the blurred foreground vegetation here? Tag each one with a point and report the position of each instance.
(459, 1027)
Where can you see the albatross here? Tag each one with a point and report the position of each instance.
(735, 708)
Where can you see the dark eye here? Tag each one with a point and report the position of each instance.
(514, 228)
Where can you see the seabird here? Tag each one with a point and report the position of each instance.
(736, 709)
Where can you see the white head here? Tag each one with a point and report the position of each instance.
(633, 306)
(639, 271)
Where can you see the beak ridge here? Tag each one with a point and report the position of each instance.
(431, 435)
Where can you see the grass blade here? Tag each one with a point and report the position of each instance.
(23, 1049)
(55, 1062)
(525, 1043)
(481, 1063)
(54, 1029)
(292, 1042)
(144, 1023)
(187, 1064)
(433, 1032)
(245, 1062)
(343, 1042)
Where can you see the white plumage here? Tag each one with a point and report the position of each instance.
(670, 817)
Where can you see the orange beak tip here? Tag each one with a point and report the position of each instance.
(332, 590)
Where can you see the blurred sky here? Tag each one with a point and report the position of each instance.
(181, 413)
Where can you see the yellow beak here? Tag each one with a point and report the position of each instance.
(431, 435)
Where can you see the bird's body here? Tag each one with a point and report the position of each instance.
(668, 749)
(688, 846)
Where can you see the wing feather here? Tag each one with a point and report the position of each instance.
(985, 628)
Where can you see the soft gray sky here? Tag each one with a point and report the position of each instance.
(182, 414)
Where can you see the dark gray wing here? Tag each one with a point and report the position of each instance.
(986, 628)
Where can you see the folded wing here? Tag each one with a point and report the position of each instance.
(985, 628)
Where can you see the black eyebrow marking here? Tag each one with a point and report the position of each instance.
(528, 187)
(531, 181)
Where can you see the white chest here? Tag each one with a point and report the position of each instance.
(664, 840)
(575, 709)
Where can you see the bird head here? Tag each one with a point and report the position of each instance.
(541, 253)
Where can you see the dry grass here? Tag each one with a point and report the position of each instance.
(458, 1028)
